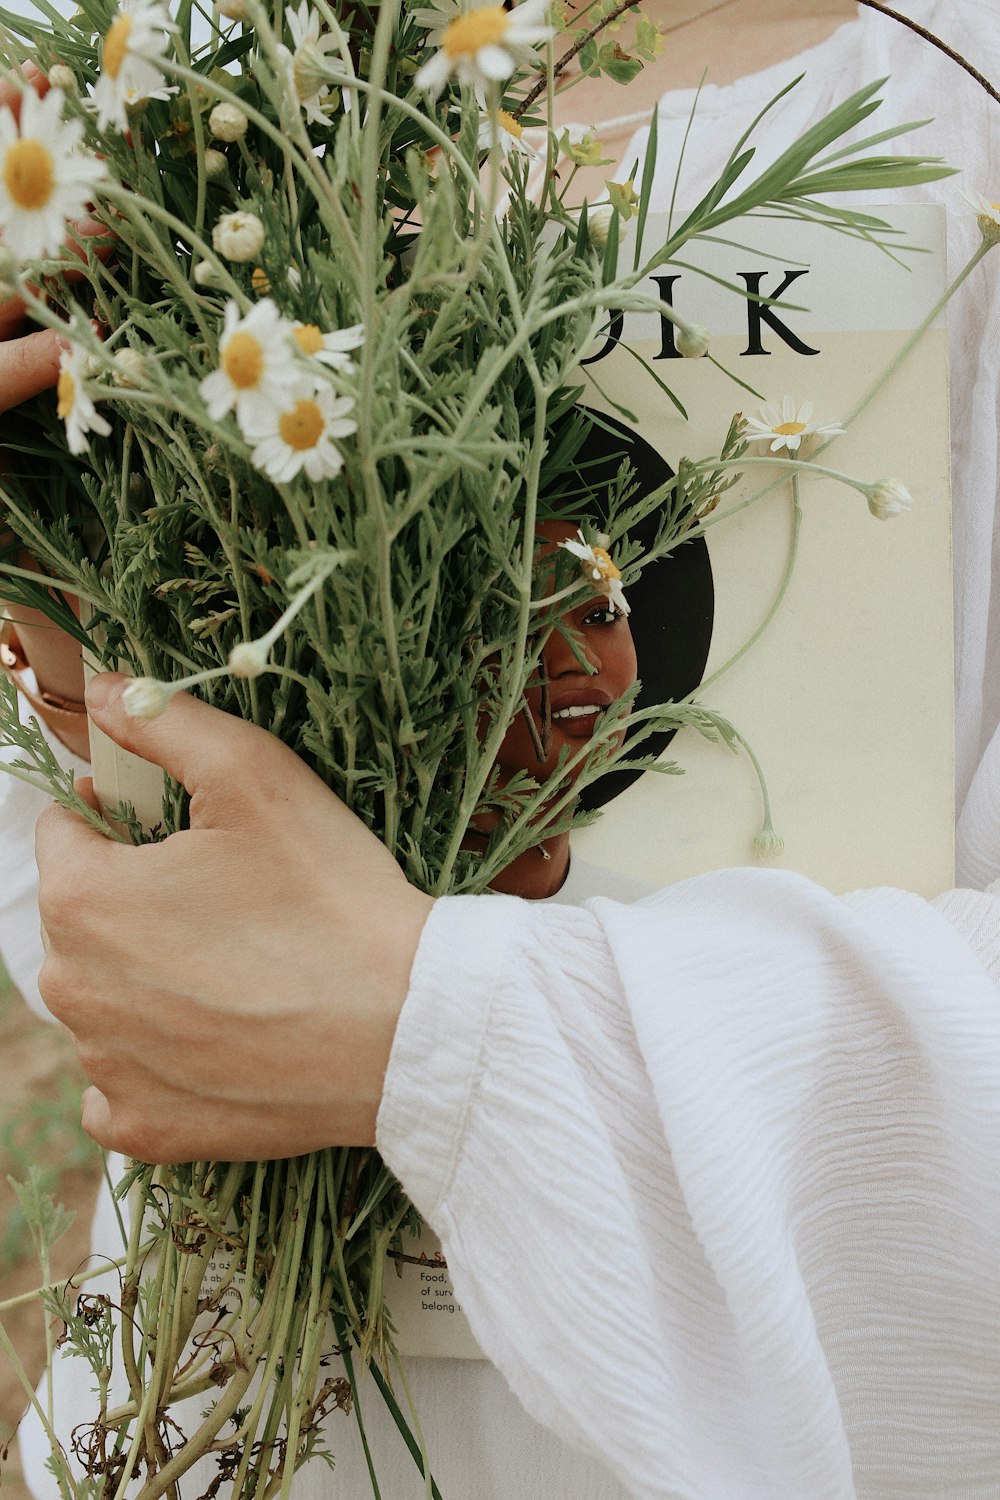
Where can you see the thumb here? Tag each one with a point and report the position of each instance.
(211, 753)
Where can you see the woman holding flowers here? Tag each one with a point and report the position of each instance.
(715, 1175)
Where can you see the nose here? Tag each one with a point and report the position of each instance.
(560, 660)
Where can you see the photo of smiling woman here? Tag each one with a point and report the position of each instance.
(656, 633)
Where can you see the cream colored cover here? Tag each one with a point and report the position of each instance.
(847, 700)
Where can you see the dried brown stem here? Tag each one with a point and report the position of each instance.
(568, 57)
(935, 41)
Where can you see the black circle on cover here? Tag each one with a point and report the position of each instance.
(672, 601)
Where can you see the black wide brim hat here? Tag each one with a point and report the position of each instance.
(672, 601)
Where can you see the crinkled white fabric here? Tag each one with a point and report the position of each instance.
(20, 808)
(716, 1175)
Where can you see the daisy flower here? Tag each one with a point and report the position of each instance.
(302, 437)
(331, 349)
(132, 50)
(73, 404)
(509, 136)
(306, 65)
(785, 427)
(599, 570)
(257, 369)
(484, 44)
(44, 178)
(987, 215)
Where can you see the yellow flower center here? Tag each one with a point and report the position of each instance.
(479, 28)
(790, 429)
(507, 122)
(259, 281)
(308, 338)
(116, 45)
(243, 360)
(603, 566)
(302, 427)
(29, 173)
(65, 394)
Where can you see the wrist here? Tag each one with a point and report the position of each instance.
(64, 714)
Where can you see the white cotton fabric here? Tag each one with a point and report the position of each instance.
(716, 1177)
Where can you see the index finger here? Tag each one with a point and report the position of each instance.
(12, 86)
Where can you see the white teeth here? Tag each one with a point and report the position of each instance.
(578, 711)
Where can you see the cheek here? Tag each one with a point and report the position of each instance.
(517, 749)
(618, 661)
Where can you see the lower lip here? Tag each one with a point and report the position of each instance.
(579, 727)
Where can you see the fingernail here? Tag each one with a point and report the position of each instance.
(102, 690)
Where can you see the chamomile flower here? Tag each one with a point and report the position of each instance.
(133, 48)
(257, 368)
(987, 215)
(786, 426)
(303, 436)
(510, 139)
(44, 178)
(307, 64)
(74, 405)
(599, 570)
(331, 349)
(484, 44)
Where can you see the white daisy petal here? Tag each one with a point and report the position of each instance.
(74, 405)
(786, 426)
(484, 43)
(257, 369)
(131, 52)
(44, 179)
(301, 437)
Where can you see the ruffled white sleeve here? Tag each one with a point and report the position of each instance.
(717, 1178)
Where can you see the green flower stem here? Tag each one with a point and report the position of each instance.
(29, 1390)
(188, 236)
(514, 691)
(910, 344)
(776, 603)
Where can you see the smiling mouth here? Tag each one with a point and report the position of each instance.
(579, 711)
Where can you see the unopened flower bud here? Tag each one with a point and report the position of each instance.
(599, 223)
(146, 698)
(249, 659)
(216, 164)
(61, 77)
(691, 340)
(227, 122)
(205, 274)
(768, 844)
(233, 10)
(130, 367)
(888, 499)
(238, 236)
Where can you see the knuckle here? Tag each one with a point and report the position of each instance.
(58, 989)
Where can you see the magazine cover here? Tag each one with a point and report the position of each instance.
(845, 697)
